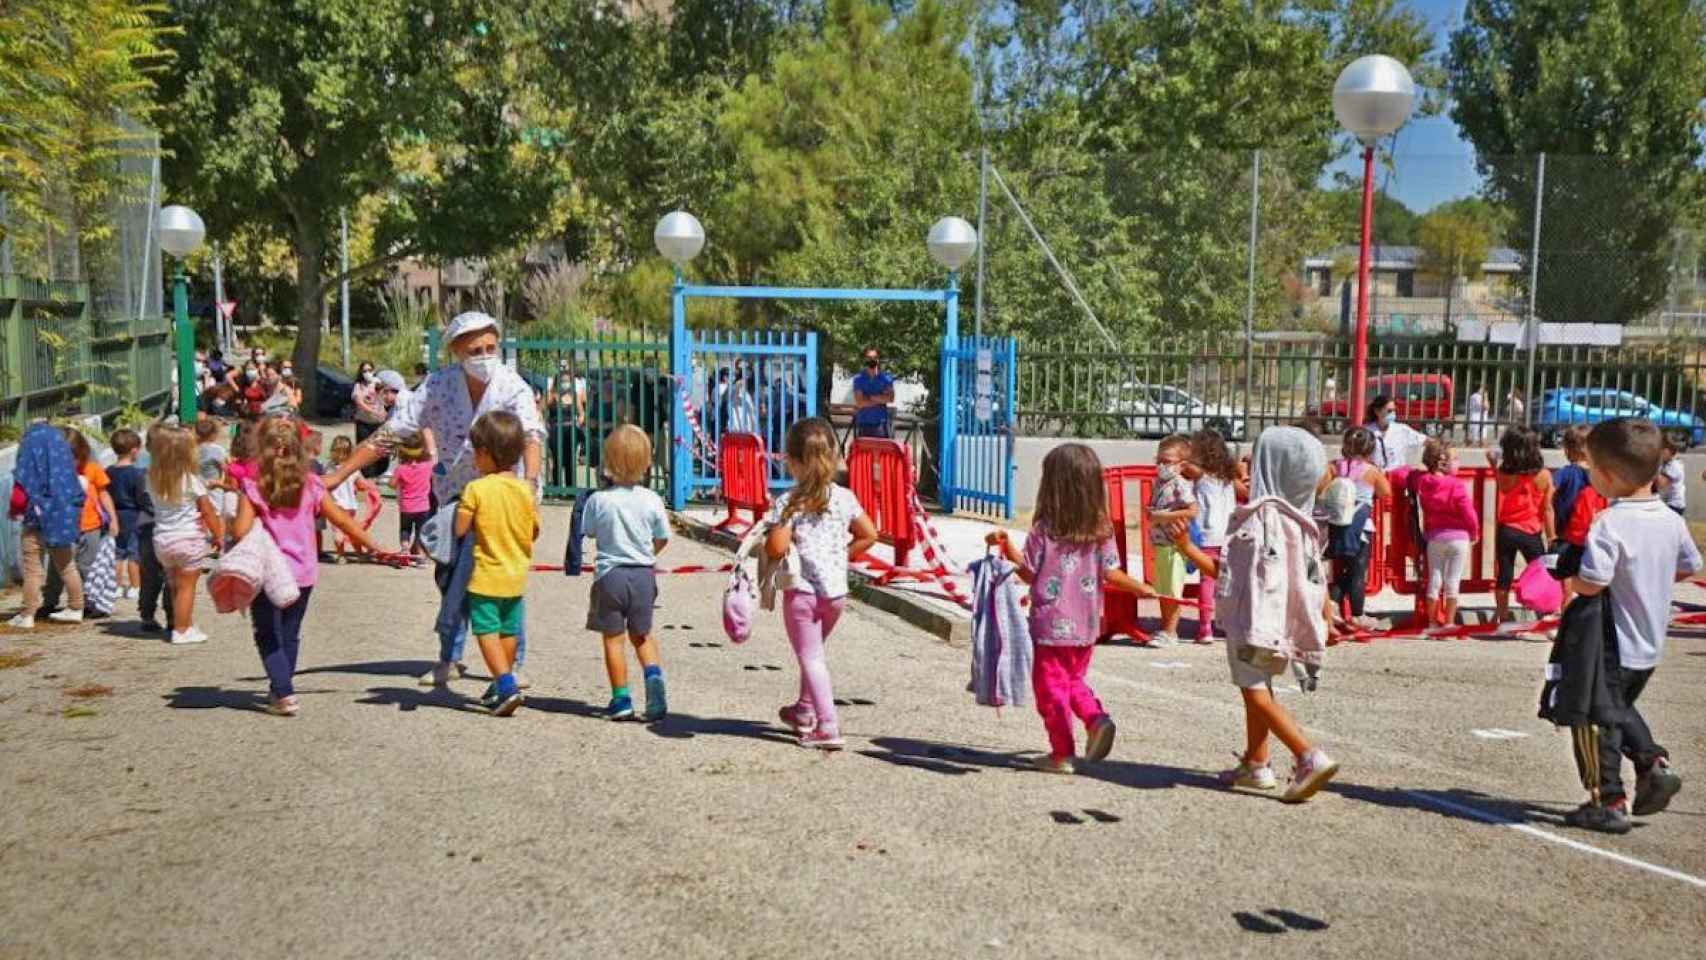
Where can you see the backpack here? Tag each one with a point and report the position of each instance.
(1345, 520)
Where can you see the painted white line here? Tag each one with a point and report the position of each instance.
(1499, 733)
(1169, 664)
(1547, 835)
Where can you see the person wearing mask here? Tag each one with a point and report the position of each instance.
(1394, 443)
(873, 391)
(565, 409)
(446, 405)
(369, 411)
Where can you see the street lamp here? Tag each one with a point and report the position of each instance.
(952, 243)
(679, 236)
(1371, 99)
(181, 233)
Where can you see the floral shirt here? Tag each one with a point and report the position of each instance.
(822, 539)
(442, 405)
(1175, 494)
(1066, 589)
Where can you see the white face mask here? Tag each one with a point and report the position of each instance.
(480, 368)
(288, 372)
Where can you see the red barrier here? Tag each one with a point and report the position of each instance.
(879, 472)
(744, 472)
(1406, 562)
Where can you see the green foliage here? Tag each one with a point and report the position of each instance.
(1453, 244)
(1611, 91)
(1394, 223)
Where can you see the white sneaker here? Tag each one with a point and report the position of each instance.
(22, 621)
(1162, 638)
(1249, 776)
(183, 638)
(133, 593)
(66, 616)
(1312, 772)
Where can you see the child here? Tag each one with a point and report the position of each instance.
(347, 495)
(1217, 483)
(1638, 550)
(1069, 554)
(499, 509)
(155, 584)
(1575, 504)
(1524, 510)
(1450, 524)
(1350, 573)
(1672, 481)
(630, 527)
(129, 490)
(312, 447)
(285, 498)
(1173, 499)
(210, 465)
(184, 518)
(1286, 465)
(47, 500)
(98, 522)
(823, 522)
(412, 479)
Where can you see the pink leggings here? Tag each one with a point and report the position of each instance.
(809, 618)
(1057, 679)
(1205, 596)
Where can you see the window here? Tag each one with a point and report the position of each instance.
(1406, 283)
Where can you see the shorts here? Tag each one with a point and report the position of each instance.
(499, 615)
(180, 552)
(1246, 675)
(1168, 577)
(128, 545)
(409, 527)
(622, 602)
(1507, 543)
(1448, 561)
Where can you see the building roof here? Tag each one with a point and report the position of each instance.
(1384, 256)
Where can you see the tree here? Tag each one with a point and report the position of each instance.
(1454, 246)
(1394, 223)
(284, 111)
(1611, 91)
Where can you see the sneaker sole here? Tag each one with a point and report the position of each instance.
(1313, 785)
(1655, 801)
(509, 706)
(1100, 743)
(826, 745)
(624, 715)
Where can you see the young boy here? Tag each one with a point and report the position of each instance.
(498, 507)
(1575, 504)
(1671, 482)
(630, 526)
(1638, 550)
(1174, 499)
(129, 489)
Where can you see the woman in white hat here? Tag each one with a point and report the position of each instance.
(447, 403)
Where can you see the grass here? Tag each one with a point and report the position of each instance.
(12, 661)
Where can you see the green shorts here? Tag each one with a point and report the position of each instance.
(1168, 577)
(499, 615)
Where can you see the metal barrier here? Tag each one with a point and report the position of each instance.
(743, 470)
(879, 472)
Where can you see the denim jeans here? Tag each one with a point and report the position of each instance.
(452, 624)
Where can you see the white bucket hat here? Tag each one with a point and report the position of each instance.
(472, 321)
(390, 379)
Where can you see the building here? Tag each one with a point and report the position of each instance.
(1405, 296)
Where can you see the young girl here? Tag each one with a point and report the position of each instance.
(1069, 554)
(349, 494)
(285, 499)
(1350, 574)
(1216, 475)
(184, 517)
(412, 479)
(1672, 480)
(823, 522)
(1524, 510)
(1286, 465)
(1450, 525)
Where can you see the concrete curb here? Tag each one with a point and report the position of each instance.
(956, 631)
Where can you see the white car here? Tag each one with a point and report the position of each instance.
(1154, 410)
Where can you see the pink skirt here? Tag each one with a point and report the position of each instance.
(181, 552)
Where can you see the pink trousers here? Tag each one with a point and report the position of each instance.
(808, 619)
(1057, 679)
(1205, 596)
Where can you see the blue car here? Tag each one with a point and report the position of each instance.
(1590, 405)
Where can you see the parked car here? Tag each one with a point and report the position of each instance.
(1154, 410)
(1422, 400)
(1566, 406)
(334, 397)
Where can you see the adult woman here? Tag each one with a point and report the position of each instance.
(446, 404)
(1394, 443)
(565, 411)
(370, 412)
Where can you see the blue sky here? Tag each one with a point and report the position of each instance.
(1430, 162)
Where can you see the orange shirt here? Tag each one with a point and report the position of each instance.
(94, 480)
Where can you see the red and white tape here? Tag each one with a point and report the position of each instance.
(702, 446)
(685, 568)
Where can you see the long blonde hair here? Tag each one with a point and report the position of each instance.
(812, 455)
(279, 455)
(171, 463)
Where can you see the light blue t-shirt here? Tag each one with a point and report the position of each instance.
(625, 521)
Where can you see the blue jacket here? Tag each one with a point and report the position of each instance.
(574, 555)
(1001, 650)
(47, 471)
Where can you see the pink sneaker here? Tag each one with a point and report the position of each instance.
(798, 718)
(821, 740)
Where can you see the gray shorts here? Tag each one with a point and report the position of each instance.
(622, 601)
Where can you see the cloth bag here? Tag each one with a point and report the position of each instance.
(252, 566)
(1538, 590)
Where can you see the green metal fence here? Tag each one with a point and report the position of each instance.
(55, 355)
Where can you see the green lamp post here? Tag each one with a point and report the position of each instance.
(181, 233)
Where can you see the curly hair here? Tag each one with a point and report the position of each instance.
(283, 472)
(1210, 453)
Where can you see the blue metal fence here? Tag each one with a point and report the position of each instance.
(978, 376)
(760, 382)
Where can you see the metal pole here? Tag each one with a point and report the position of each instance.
(1250, 280)
(1359, 362)
(221, 323)
(950, 393)
(681, 457)
(1533, 330)
(186, 346)
(343, 286)
(1065, 277)
(982, 241)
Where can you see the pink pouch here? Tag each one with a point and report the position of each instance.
(740, 606)
(1538, 590)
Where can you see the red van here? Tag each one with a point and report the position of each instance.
(1421, 400)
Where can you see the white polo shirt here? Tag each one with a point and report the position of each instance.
(1636, 548)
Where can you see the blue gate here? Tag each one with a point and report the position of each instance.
(760, 382)
(978, 375)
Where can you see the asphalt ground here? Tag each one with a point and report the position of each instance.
(172, 817)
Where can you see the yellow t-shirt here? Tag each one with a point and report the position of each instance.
(504, 527)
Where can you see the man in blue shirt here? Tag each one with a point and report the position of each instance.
(873, 391)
